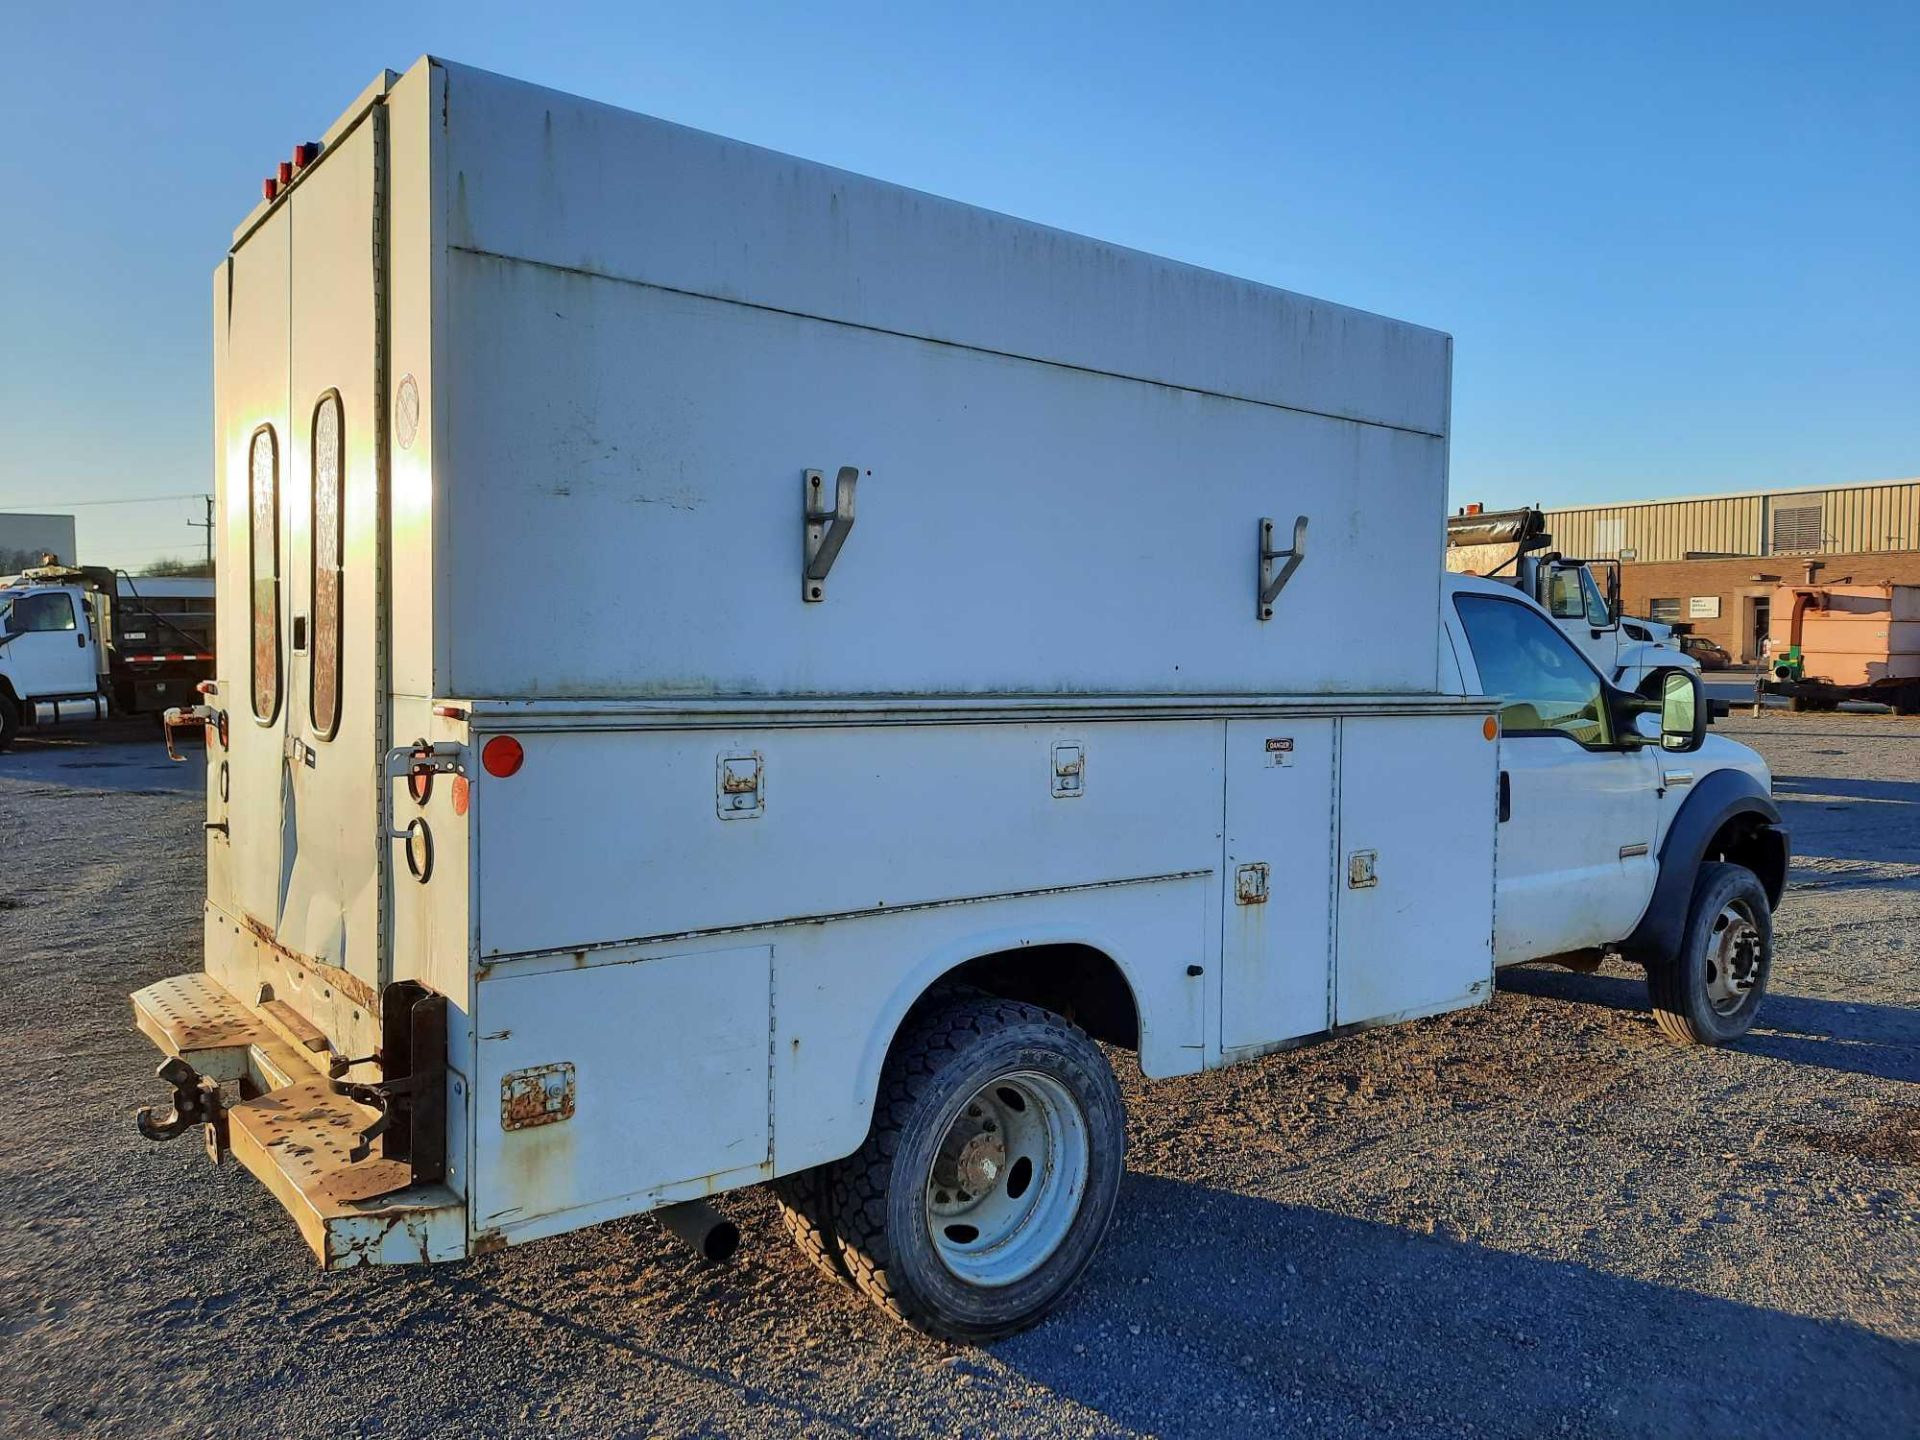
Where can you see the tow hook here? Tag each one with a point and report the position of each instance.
(196, 1101)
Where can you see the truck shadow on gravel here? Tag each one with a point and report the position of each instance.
(1216, 1313)
(1850, 1037)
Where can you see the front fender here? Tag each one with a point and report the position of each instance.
(1719, 797)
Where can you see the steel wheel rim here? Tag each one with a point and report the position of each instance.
(1735, 949)
(1008, 1178)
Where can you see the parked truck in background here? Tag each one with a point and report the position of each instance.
(82, 642)
(956, 643)
(1583, 596)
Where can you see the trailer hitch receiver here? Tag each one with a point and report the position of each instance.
(196, 1101)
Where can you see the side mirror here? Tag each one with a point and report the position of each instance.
(1683, 711)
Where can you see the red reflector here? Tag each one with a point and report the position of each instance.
(502, 755)
(269, 188)
(286, 171)
(461, 796)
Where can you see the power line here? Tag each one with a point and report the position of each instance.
(76, 504)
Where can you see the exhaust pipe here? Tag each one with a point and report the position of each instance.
(709, 1233)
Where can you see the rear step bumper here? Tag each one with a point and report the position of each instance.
(296, 1134)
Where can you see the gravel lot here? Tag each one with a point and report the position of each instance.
(1534, 1219)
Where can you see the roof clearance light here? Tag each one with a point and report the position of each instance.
(269, 187)
(305, 154)
(502, 756)
(286, 172)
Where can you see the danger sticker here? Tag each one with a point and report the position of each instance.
(1280, 750)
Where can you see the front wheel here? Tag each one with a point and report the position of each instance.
(9, 720)
(990, 1173)
(1710, 992)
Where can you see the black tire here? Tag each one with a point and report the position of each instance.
(1799, 704)
(9, 720)
(945, 1060)
(1906, 700)
(1715, 957)
(802, 1199)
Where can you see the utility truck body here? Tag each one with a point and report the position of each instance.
(734, 671)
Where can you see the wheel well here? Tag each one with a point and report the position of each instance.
(1077, 981)
(1750, 841)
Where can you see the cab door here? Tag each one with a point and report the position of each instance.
(1579, 805)
(45, 646)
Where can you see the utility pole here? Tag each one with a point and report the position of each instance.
(206, 525)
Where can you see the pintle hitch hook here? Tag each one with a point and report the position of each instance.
(1273, 581)
(196, 1101)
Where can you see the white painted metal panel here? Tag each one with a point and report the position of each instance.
(331, 907)
(655, 442)
(566, 182)
(1417, 799)
(1277, 953)
(668, 1065)
(253, 394)
(607, 836)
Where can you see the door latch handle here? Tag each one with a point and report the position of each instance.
(1506, 798)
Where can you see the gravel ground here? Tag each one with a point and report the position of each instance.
(1534, 1219)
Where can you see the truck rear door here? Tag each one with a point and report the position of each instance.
(302, 428)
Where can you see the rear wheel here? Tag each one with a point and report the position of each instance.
(989, 1175)
(1710, 992)
(9, 720)
(803, 1198)
(1906, 700)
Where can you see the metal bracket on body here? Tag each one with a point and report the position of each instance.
(405, 761)
(826, 529)
(1272, 582)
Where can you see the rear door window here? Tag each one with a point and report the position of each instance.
(328, 471)
(263, 531)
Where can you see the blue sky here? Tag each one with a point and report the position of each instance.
(1678, 246)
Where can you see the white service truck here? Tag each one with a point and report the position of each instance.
(1632, 652)
(734, 672)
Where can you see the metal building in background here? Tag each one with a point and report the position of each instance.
(1819, 520)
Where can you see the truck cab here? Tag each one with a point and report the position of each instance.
(51, 655)
(1615, 810)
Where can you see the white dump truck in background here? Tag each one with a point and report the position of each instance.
(1513, 546)
(936, 644)
(82, 642)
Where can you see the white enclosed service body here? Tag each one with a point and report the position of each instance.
(521, 403)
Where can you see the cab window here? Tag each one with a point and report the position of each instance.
(50, 611)
(1543, 684)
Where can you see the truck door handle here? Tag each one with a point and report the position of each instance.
(1506, 798)
(81, 639)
